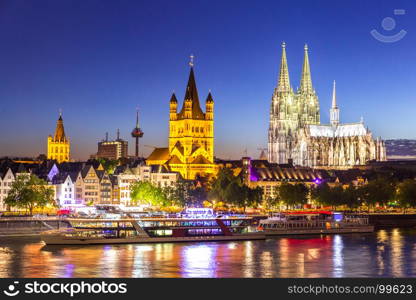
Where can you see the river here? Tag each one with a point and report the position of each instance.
(384, 253)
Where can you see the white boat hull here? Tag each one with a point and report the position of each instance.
(49, 239)
(305, 231)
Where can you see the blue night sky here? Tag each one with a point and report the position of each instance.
(98, 60)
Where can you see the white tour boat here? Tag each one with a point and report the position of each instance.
(153, 230)
(318, 222)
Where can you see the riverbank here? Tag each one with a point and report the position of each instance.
(392, 220)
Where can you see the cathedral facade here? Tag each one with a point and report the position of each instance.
(191, 135)
(58, 145)
(297, 135)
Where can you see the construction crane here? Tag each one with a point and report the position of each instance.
(263, 152)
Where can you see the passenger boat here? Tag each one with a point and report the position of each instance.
(318, 222)
(153, 230)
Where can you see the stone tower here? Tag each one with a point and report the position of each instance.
(290, 111)
(191, 135)
(58, 145)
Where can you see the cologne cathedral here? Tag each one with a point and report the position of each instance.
(296, 134)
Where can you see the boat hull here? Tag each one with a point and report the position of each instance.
(306, 231)
(59, 240)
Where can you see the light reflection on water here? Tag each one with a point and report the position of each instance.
(385, 253)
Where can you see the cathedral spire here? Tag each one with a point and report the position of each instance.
(306, 80)
(334, 111)
(334, 97)
(284, 82)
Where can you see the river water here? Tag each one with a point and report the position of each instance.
(384, 253)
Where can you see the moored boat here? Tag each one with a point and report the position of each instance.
(152, 230)
(319, 222)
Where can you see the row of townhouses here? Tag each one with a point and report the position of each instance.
(78, 184)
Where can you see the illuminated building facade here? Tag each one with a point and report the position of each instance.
(269, 176)
(113, 149)
(191, 136)
(296, 134)
(6, 180)
(58, 145)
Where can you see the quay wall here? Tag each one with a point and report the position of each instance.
(392, 220)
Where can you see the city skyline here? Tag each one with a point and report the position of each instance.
(98, 74)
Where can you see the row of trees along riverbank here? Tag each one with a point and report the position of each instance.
(230, 192)
(227, 191)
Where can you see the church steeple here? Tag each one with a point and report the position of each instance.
(58, 147)
(306, 80)
(284, 81)
(60, 131)
(191, 95)
(334, 111)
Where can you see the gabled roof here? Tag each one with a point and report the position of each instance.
(174, 160)
(86, 169)
(159, 154)
(160, 169)
(179, 146)
(113, 179)
(71, 166)
(201, 160)
(61, 178)
(342, 130)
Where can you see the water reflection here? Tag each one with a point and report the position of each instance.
(396, 253)
(384, 253)
(338, 259)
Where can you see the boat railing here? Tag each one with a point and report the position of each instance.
(287, 224)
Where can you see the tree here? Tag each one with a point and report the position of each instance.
(219, 185)
(351, 197)
(144, 192)
(293, 194)
(109, 165)
(406, 194)
(321, 194)
(29, 192)
(197, 196)
(254, 196)
(379, 191)
(234, 194)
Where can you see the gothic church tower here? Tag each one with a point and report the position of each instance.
(191, 135)
(58, 145)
